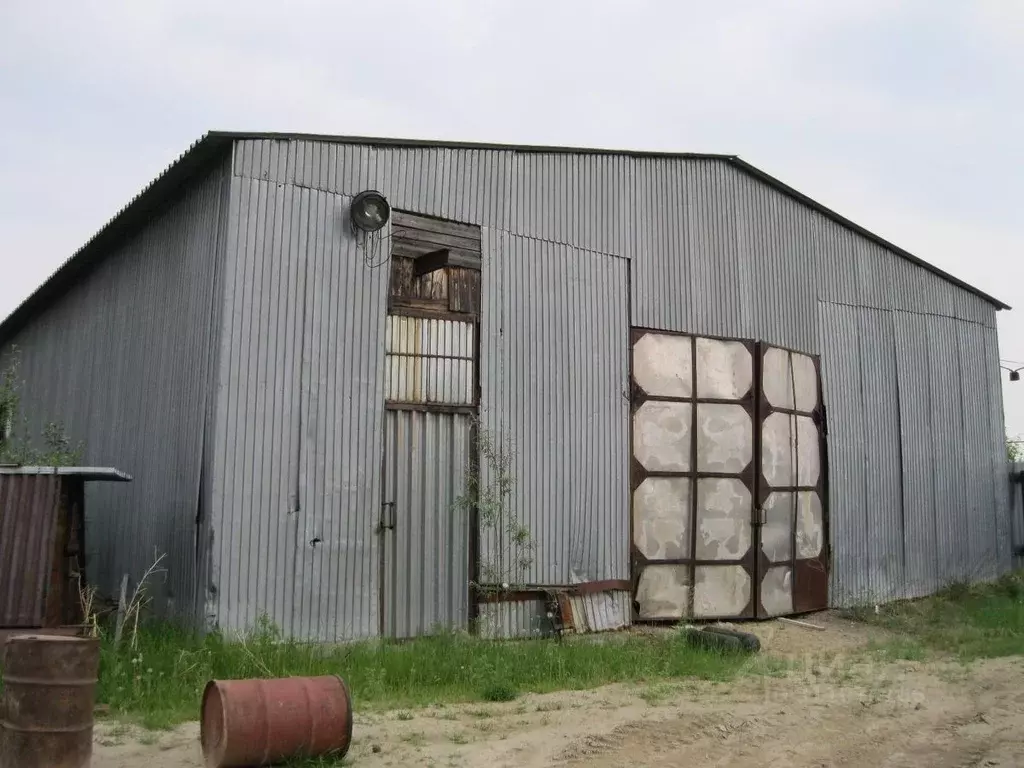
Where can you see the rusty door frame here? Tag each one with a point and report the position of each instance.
(755, 563)
(638, 561)
(809, 576)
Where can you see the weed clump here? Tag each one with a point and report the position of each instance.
(499, 692)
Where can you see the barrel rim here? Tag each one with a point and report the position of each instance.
(213, 754)
(351, 715)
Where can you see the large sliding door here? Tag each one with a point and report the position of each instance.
(728, 516)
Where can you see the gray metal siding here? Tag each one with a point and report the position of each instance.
(123, 359)
(471, 186)
(912, 454)
(842, 390)
(918, 453)
(426, 560)
(883, 491)
(296, 489)
(554, 387)
(980, 509)
(948, 470)
(715, 251)
(583, 200)
(859, 364)
(525, 618)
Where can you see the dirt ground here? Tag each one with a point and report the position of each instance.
(839, 706)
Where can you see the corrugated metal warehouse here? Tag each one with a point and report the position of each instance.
(700, 392)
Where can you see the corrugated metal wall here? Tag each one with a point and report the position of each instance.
(296, 489)
(123, 359)
(911, 453)
(714, 251)
(426, 558)
(719, 252)
(722, 254)
(554, 378)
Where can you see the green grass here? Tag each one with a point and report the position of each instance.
(969, 622)
(160, 683)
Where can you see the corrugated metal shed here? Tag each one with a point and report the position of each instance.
(229, 310)
(41, 532)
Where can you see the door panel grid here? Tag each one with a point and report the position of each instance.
(728, 514)
(692, 471)
(793, 550)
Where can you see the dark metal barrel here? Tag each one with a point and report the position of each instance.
(262, 722)
(46, 716)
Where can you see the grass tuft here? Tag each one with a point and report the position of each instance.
(499, 692)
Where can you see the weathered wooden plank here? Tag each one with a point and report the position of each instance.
(441, 240)
(442, 258)
(414, 251)
(406, 284)
(464, 290)
(415, 221)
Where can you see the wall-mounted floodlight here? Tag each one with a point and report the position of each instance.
(370, 211)
(1014, 372)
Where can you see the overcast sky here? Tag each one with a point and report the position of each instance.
(905, 116)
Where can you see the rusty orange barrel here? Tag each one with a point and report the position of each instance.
(262, 722)
(46, 716)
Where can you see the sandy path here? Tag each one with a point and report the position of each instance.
(839, 711)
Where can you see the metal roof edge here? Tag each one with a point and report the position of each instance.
(469, 145)
(133, 212)
(211, 143)
(781, 186)
(85, 473)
